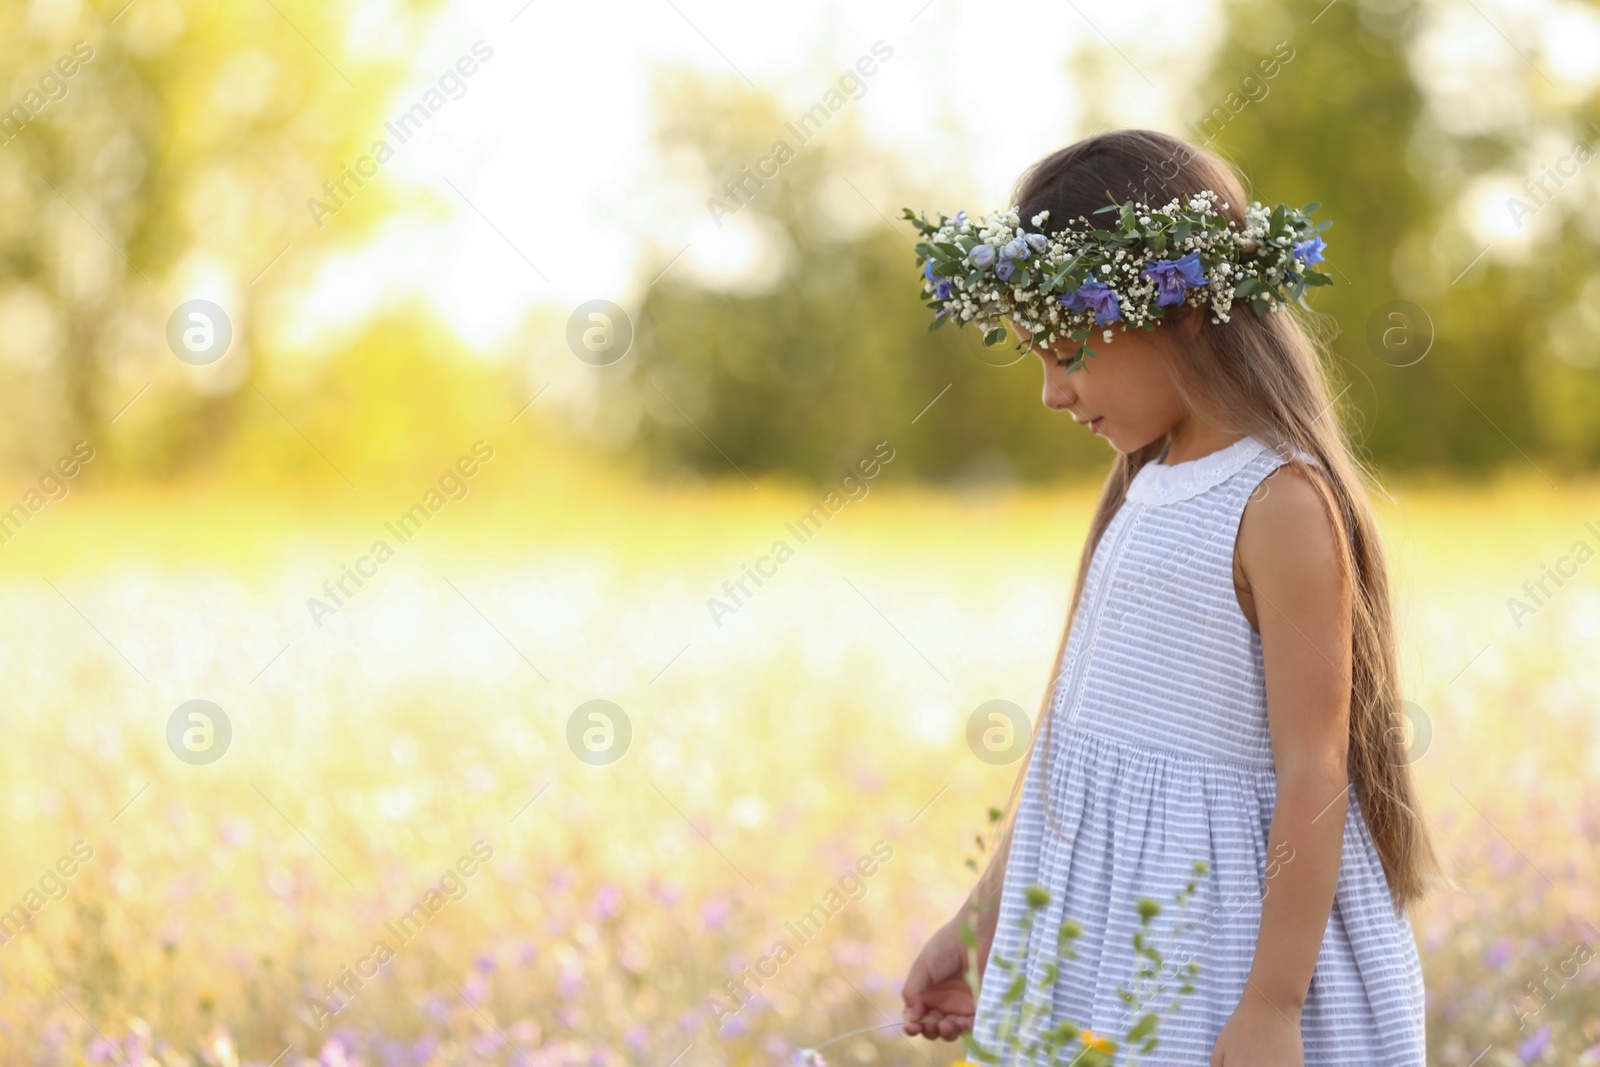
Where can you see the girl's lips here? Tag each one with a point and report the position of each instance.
(1094, 424)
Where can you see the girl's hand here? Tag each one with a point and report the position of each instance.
(1259, 1035)
(939, 1003)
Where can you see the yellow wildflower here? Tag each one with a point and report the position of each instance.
(1095, 1041)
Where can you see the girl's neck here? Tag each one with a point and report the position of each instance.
(1191, 439)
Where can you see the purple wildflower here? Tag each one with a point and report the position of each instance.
(1309, 252)
(1173, 276)
(1531, 1049)
(1093, 295)
(713, 913)
(607, 901)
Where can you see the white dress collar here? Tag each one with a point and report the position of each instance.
(1158, 483)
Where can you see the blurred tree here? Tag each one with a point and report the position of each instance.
(1347, 122)
(178, 154)
(806, 374)
(798, 375)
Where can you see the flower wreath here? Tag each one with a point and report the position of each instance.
(1069, 282)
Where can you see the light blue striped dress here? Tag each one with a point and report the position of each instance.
(1158, 756)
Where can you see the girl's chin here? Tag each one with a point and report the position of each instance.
(1126, 445)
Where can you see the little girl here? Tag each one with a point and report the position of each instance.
(1226, 683)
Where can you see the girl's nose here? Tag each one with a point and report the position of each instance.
(1058, 397)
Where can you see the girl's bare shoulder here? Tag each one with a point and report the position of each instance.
(1287, 536)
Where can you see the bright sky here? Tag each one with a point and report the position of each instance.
(551, 145)
(546, 163)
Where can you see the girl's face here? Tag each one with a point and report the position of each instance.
(1122, 392)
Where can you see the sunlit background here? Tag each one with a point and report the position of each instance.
(304, 418)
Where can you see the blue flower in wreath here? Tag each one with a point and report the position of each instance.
(1173, 276)
(982, 255)
(943, 288)
(1094, 296)
(1309, 252)
(1003, 269)
(1016, 248)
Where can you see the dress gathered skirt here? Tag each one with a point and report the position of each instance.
(1157, 756)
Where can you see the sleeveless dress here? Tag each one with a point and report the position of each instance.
(1158, 756)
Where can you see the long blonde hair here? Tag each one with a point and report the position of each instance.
(1261, 375)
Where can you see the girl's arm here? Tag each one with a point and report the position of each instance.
(1290, 555)
(939, 1001)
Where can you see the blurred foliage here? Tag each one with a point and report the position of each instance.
(179, 155)
(1515, 363)
(833, 354)
(179, 160)
(808, 374)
